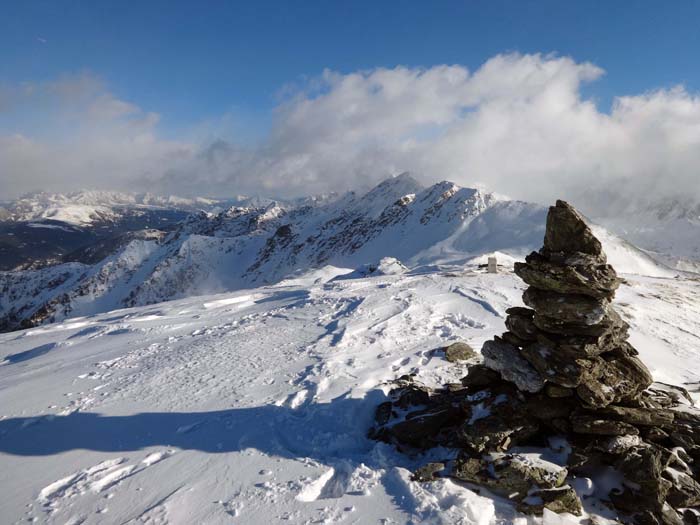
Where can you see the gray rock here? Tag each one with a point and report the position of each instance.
(560, 499)
(567, 308)
(507, 361)
(645, 489)
(639, 416)
(608, 327)
(684, 491)
(512, 475)
(596, 280)
(495, 421)
(618, 445)
(567, 232)
(459, 352)
(582, 346)
(664, 395)
(622, 377)
(520, 322)
(558, 366)
(512, 339)
(413, 394)
(428, 472)
(656, 435)
(479, 376)
(563, 368)
(421, 429)
(588, 424)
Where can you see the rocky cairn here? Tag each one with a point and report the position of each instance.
(563, 382)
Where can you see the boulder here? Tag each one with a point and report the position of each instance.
(559, 500)
(566, 231)
(459, 352)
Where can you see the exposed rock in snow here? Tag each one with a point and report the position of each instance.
(86, 207)
(257, 401)
(587, 385)
(459, 351)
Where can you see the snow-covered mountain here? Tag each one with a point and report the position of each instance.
(88, 207)
(248, 246)
(668, 228)
(45, 228)
(664, 224)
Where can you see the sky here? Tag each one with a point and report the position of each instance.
(530, 98)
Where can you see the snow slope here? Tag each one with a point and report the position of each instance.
(249, 246)
(667, 227)
(253, 407)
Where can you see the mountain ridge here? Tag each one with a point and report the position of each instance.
(248, 246)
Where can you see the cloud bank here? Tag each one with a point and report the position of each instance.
(518, 125)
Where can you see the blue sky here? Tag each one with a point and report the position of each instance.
(195, 60)
(530, 98)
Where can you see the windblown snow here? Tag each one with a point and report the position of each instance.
(253, 406)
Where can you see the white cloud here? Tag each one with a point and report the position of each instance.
(517, 125)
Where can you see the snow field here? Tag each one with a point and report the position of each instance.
(253, 407)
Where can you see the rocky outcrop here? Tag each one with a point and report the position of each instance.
(564, 368)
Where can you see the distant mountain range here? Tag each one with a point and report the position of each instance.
(42, 228)
(254, 242)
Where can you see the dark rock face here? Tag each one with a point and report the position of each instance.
(563, 368)
(568, 233)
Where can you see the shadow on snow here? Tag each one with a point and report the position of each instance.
(320, 431)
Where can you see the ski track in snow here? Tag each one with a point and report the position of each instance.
(253, 407)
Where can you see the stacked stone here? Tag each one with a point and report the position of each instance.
(571, 341)
(563, 368)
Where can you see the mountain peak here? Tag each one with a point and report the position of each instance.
(404, 182)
